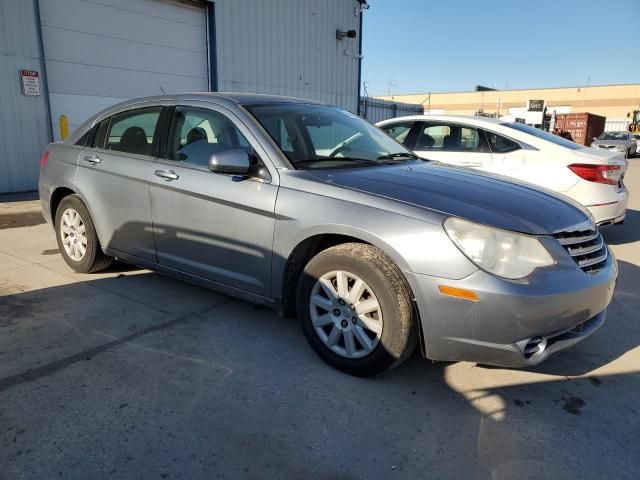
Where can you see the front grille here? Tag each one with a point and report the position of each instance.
(607, 146)
(586, 247)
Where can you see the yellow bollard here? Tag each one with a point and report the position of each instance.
(64, 127)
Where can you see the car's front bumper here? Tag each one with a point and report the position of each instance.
(513, 324)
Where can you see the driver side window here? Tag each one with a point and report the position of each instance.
(398, 131)
(196, 134)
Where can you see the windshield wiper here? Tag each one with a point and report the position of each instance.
(349, 162)
(392, 156)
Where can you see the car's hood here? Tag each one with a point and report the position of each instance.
(481, 198)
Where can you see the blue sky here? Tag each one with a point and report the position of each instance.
(452, 45)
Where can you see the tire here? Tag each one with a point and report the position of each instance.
(92, 260)
(384, 283)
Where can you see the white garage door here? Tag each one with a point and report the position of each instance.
(100, 52)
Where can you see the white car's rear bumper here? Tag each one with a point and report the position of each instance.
(607, 203)
(612, 211)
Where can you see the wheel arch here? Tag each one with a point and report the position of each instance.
(312, 244)
(56, 197)
(59, 193)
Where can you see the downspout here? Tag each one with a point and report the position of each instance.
(212, 46)
(43, 67)
(363, 6)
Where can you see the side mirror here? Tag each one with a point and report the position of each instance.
(595, 138)
(231, 162)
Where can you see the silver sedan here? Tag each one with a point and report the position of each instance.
(311, 210)
(623, 142)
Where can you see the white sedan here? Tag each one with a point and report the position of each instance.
(592, 177)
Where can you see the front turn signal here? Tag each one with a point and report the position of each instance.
(459, 293)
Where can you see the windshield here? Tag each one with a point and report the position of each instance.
(541, 134)
(319, 136)
(614, 136)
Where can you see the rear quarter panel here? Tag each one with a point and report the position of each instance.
(59, 171)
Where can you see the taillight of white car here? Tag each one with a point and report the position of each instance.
(43, 159)
(607, 174)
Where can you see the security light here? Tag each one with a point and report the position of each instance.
(340, 34)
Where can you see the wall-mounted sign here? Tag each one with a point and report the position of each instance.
(30, 83)
(536, 106)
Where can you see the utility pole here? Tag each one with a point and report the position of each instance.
(365, 94)
(391, 83)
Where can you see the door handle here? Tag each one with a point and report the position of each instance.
(92, 159)
(167, 175)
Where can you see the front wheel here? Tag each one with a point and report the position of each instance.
(356, 309)
(77, 239)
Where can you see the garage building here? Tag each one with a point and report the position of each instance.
(614, 102)
(76, 57)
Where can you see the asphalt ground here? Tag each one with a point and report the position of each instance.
(130, 374)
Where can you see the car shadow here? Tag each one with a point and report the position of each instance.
(628, 232)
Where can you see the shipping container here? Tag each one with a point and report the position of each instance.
(579, 127)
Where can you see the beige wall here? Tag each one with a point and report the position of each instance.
(613, 101)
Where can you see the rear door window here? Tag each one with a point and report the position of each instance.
(500, 144)
(451, 138)
(133, 131)
(87, 139)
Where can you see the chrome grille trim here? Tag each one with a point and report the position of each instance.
(586, 246)
(585, 250)
(592, 261)
(574, 240)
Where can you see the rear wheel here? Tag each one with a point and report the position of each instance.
(77, 239)
(356, 309)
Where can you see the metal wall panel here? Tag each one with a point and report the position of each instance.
(617, 125)
(289, 47)
(101, 52)
(24, 123)
(376, 110)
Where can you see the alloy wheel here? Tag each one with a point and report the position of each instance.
(346, 314)
(73, 234)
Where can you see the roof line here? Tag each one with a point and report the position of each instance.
(511, 89)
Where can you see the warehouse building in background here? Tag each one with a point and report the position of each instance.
(615, 102)
(71, 58)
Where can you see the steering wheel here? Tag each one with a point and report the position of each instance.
(337, 150)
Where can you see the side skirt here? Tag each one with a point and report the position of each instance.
(193, 279)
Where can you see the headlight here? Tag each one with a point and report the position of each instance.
(503, 253)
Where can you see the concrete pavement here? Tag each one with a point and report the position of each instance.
(129, 374)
